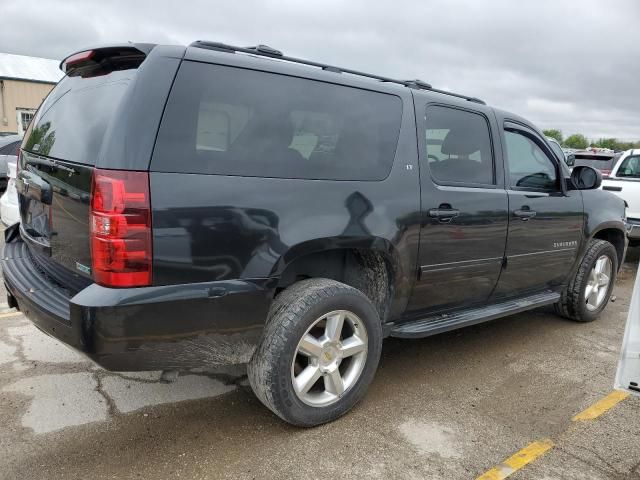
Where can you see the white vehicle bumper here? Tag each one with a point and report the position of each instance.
(633, 229)
(9, 211)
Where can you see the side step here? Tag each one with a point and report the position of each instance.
(435, 324)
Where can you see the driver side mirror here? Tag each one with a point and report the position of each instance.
(571, 160)
(585, 178)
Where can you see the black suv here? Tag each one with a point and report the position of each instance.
(191, 207)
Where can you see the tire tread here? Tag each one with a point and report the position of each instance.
(569, 304)
(287, 309)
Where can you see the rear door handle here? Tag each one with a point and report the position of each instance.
(524, 214)
(444, 214)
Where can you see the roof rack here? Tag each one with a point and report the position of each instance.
(266, 51)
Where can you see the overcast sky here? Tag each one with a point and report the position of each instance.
(568, 64)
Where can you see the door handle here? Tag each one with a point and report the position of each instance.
(524, 213)
(444, 214)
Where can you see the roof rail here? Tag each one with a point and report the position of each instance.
(266, 51)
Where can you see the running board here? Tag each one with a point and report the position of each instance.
(435, 324)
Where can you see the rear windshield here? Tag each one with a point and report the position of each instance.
(599, 163)
(231, 121)
(71, 122)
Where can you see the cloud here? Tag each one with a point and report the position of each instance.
(562, 64)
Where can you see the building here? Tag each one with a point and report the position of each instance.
(24, 82)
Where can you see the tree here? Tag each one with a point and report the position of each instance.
(577, 141)
(554, 133)
(611, 143)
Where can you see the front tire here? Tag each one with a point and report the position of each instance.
(319, 352)
(590, 289)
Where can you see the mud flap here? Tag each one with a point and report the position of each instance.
(11, 300)
(628, 375)
(12, 232)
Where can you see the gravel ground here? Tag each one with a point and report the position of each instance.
(450, 406)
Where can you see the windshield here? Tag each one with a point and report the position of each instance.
(557, 150)
(630, 167)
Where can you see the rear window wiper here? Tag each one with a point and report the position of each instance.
(50, 163)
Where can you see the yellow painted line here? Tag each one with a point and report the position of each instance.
(515, 462)
(601, 406)
(10, 314)
(536, 449)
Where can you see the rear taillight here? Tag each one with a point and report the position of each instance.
(605, 173)
(120, 223)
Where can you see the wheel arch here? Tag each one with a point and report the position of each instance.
(371, 265)
(615, 236)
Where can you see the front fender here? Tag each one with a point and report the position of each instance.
(604, 213)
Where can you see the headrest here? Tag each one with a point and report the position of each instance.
(461, 142)
(268, 130)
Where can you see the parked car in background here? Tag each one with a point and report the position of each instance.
(602, 161)
(9, 211)
(311, 214)
(624, 181)
(9, 146)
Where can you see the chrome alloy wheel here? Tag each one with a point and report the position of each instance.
(598, 283)
(329, 358)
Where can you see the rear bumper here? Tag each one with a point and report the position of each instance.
(152, 328)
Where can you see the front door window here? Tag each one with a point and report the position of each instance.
(529, 167)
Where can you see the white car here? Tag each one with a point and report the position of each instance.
(624, 181)
(628, 375)
(9, 211)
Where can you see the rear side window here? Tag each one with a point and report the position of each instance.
(71, 123)
(231, 121)
(458, 146)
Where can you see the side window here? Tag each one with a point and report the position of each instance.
(529, 167)
(458, 146)
(233, 121)
(630, 167)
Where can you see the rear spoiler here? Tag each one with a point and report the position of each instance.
(104, 59)
(593, 156)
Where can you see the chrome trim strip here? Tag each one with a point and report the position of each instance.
(481, 262)
(545, 252)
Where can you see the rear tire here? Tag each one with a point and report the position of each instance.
(319, 352)
(590, 289)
